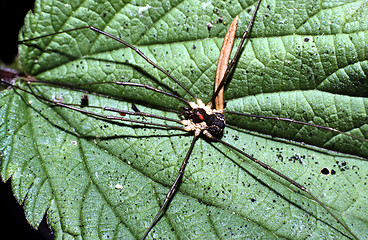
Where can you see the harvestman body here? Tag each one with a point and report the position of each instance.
(202, 119)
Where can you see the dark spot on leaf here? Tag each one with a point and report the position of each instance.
(325, 171)
(84, 100)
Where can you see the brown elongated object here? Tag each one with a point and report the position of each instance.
(223, 61)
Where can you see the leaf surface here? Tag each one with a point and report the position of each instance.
(98, 179)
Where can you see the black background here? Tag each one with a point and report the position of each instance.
(13, 221)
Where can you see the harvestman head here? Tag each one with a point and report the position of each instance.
(200, 118)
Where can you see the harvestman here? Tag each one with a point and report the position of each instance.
(199, 118)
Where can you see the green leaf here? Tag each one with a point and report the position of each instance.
(97, 179)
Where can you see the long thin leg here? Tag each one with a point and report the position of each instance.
(173, 188)
(60, 104)
(148, 87)
(143, 114)
(237, 54)
(139, 52)
(32, 81)
(296, 184)
(122, 112)
(297, 122)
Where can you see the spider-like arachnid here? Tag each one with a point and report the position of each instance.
(115, 175)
